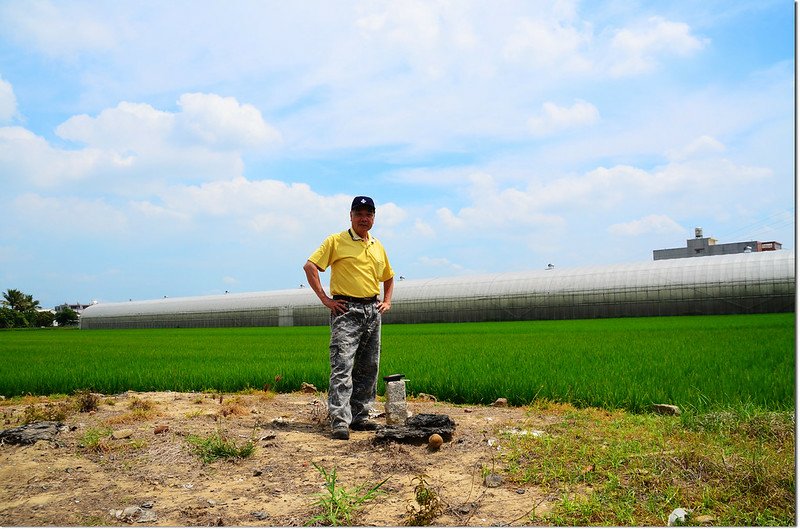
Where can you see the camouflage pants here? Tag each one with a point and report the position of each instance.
(355, 354)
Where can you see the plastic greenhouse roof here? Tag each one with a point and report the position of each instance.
(774, 265)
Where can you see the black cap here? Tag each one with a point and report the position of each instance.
(362, 202)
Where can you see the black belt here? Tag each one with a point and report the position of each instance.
(351, 299)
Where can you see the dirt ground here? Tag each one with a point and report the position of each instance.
(68, 483)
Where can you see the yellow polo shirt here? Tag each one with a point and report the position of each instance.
(358, 266)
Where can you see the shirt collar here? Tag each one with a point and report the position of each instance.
(357, 237)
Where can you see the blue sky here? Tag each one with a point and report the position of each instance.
(182, 148)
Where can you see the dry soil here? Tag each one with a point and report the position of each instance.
(69, 483)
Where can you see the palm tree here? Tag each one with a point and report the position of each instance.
(19, 301)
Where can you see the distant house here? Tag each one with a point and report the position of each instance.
(77, 307)
(703, 246)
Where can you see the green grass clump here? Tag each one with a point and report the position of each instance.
(217, 446)
(339, 505)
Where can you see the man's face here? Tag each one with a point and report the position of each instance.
(362, 220)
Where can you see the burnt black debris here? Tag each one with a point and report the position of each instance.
(418, 428)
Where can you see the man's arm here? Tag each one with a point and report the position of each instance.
(312, 275)
(386, 303)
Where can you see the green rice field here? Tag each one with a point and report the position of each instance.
(696, 362)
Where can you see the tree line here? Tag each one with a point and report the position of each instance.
(20, 310)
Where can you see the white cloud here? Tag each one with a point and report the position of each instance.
(423, 229)
(547, 43)
(58, 29)
(26, 158)
(128, 127)
(441, 262)
(133, 146)
(223, 121)
(554, 118)
(8, 102)
(69, 215)
(704, 146)
(635, 50)
(660, 224)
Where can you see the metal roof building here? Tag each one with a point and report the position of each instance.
(727, 284)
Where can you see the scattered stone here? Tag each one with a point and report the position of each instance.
(666, 409)
(135, 514)
(502, 402)
(260, 515)
(161, 429)
(122, 434)
(467, 410)
(466, 508)
(268, 436)
(257, 472)
(419, 428)
(305, 387)
(30, 433)
(493, 480)
(678, 517)
(281, 422)
(520, 491)
(522, 433)
(426, 396)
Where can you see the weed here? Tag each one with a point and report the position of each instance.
(96, 439)
(219, 446)
(233, 407)
(86, 401)
(430, 506)
(339, 505)
(140, 410)
(730, 465)
(51, 411)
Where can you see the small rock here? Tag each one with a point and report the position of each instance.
(281, 421)
(502, 402)
(677, 517)
(305, 387)
(260, 515)
(134, 514)
(122, 434)
(257, 472)
(666, 409)
(426, 396)
(161, 429)
(147, 505)
(493, 480)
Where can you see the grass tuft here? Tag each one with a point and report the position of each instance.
(339, 505)
(218, 446)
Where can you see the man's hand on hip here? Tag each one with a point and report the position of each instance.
(337, 306)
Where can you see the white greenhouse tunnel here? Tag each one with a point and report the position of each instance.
(746, 283)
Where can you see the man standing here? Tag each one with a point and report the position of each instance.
(358, 265)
